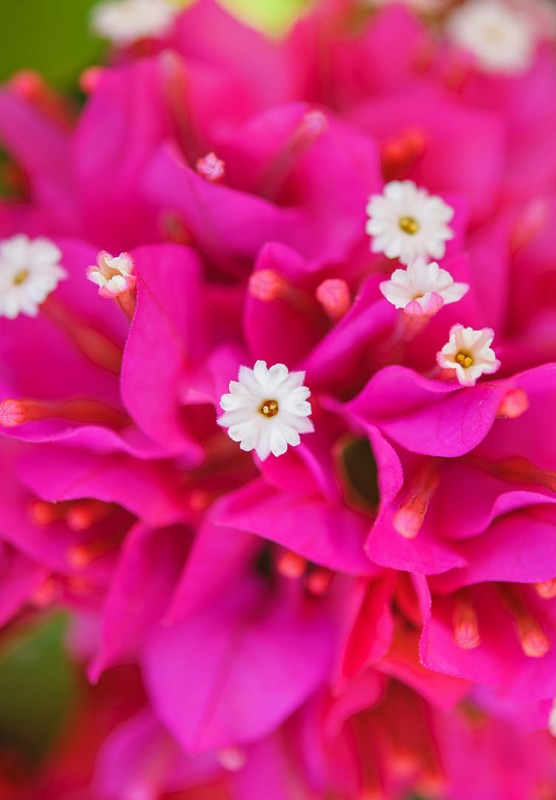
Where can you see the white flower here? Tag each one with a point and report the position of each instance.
(30, 270)
(500, 37)
(407, 222)
(422, 289)
(112, 274)
(266, 409)
(126, 21)
(468, 352)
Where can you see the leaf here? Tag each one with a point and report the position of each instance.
(54, 39)
(273, 16)
(37, 687)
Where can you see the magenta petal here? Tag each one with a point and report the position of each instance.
(267, 764)
(205, 32)
(425, 554)
(225, 223)
(19, 578)
(148, 568)
(95, 438)
(62, 371)
(344, 354)
(234, 672)
(445, 126)
(384, 545)
(296, 155)
(425, 416)
(359, 694)
(55, 474)
(47, 166)
(131, 103)
(139, 759)
(518, 547)
(488, 249)
(438, 687)
(493, 496)
(162, 343)
(309, 468)
(372, 629)
(492, 662)
(218, 558)
(47, 545)
(275, 330)
(527, 435)
(322, 532)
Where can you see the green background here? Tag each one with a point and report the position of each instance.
(53, 37)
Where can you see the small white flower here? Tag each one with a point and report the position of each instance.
(406, 222)
(112, 274)
(126, 21)
(30, 270)
(468, 352)
(266, 409)
(422, 289)
(501, 38)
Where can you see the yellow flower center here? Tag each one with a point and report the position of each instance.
(269, 408)
(20, 277)
(464, 359)
(409, 225)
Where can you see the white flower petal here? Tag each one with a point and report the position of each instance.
(467, 342)
(404, 199)
(418, 281)
(29, 272)
(500, 37)
(126, 21)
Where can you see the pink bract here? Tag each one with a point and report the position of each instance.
(373, 613)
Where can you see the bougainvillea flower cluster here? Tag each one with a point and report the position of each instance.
(277, 399)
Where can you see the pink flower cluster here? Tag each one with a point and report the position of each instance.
(277, 401)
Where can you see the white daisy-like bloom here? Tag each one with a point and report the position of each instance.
(497, 34)
(422, 289)
(407, 222)
(468, 352)
(30, 270)
(112, 274)
(126, 21)
(266, 409)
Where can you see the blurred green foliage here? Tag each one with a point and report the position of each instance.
(50, 36)
(53, 36)
(274, 16)
(38, 687)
